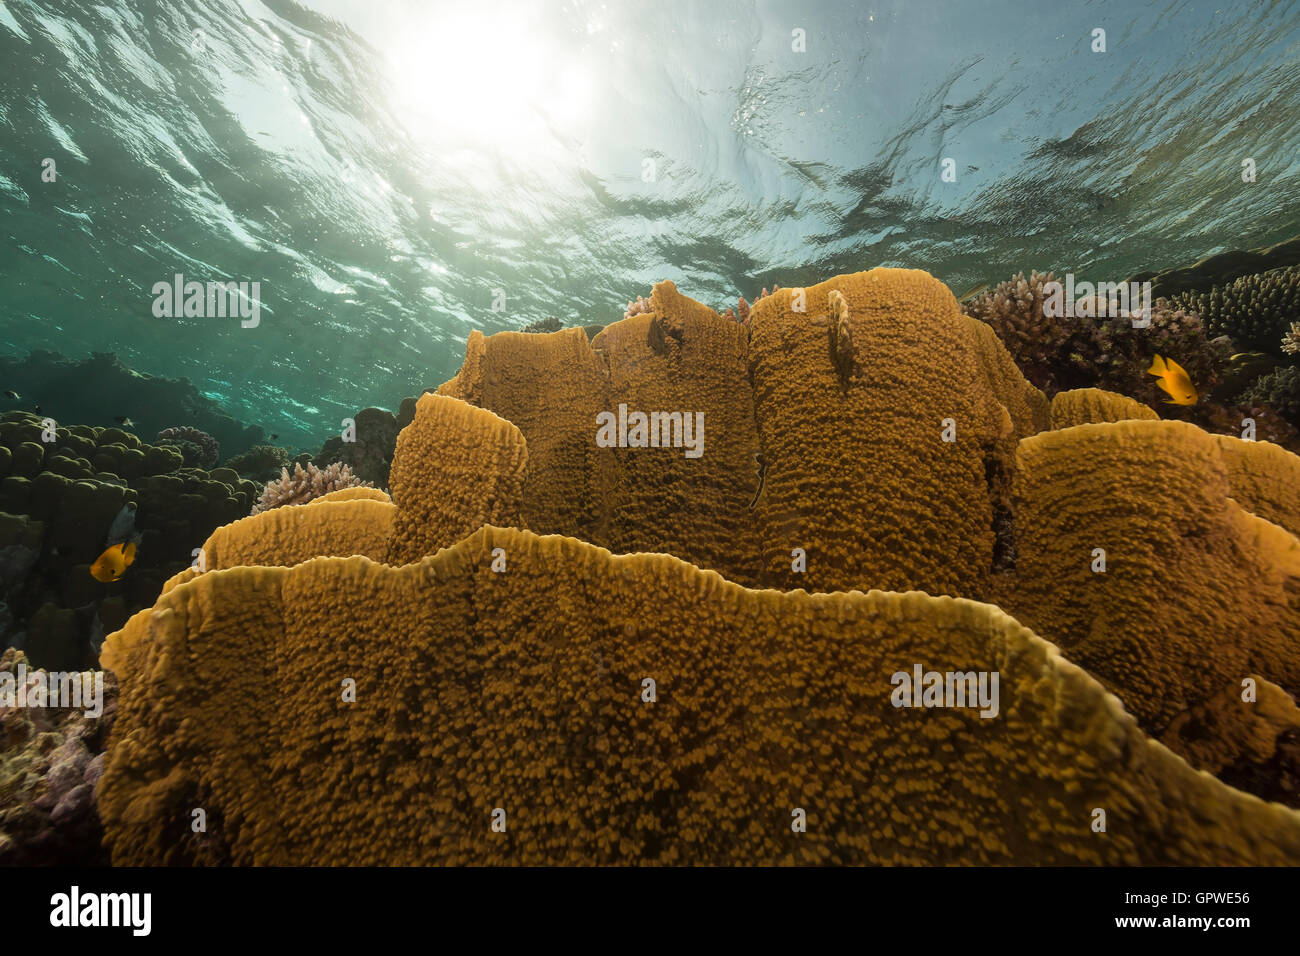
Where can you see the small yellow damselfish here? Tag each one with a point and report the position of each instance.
(112, 564)
(1174, 380)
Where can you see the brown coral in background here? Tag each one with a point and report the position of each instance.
(184, 436)
(305, 484)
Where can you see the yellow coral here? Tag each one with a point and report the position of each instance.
(456, 468)
(1085, 406)
(765, 702)
(1195, 594)
(1264, 478)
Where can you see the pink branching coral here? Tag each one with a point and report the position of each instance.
(741, 312)
(305, 485)
(1291, 341)
(639, 307)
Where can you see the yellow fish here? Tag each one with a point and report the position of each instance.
(112, 564)
(1173, 380)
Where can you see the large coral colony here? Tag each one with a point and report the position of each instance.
(497, 640)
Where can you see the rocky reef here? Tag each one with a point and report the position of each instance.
(542, 649)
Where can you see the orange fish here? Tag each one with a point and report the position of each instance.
(1174, 380)
(112, 564)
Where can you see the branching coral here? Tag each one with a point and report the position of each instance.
(1291, 341)
(1095, 348)
(209, 450)
(1280, 390)
(549, 324)
(1256, 311)
(306, 484)
(640, 307)
(1015, 311)
(741, 312)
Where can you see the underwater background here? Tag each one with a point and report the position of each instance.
(835, 229)
(389, 170)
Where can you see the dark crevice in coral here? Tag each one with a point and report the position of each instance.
(998, 480)
(1277, 780)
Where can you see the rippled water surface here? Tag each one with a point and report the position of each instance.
(389, 170)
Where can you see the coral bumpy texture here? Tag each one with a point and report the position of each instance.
(501, 613)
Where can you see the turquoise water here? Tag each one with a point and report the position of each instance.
(389, 171)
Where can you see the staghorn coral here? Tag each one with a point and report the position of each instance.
(304, 485)
(1255, 311)
(536, 709)
(51, 760)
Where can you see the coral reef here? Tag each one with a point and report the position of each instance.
(1279, 390)
(97, 390)
(1222, 268)
(260, 463)
(369, 453)
(186, 438)
(58, 499)
(304, 485)
(537, 709)
(1255, 311)
(51, 759)
(531, 651)
(549, 324)
(1062, 353)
